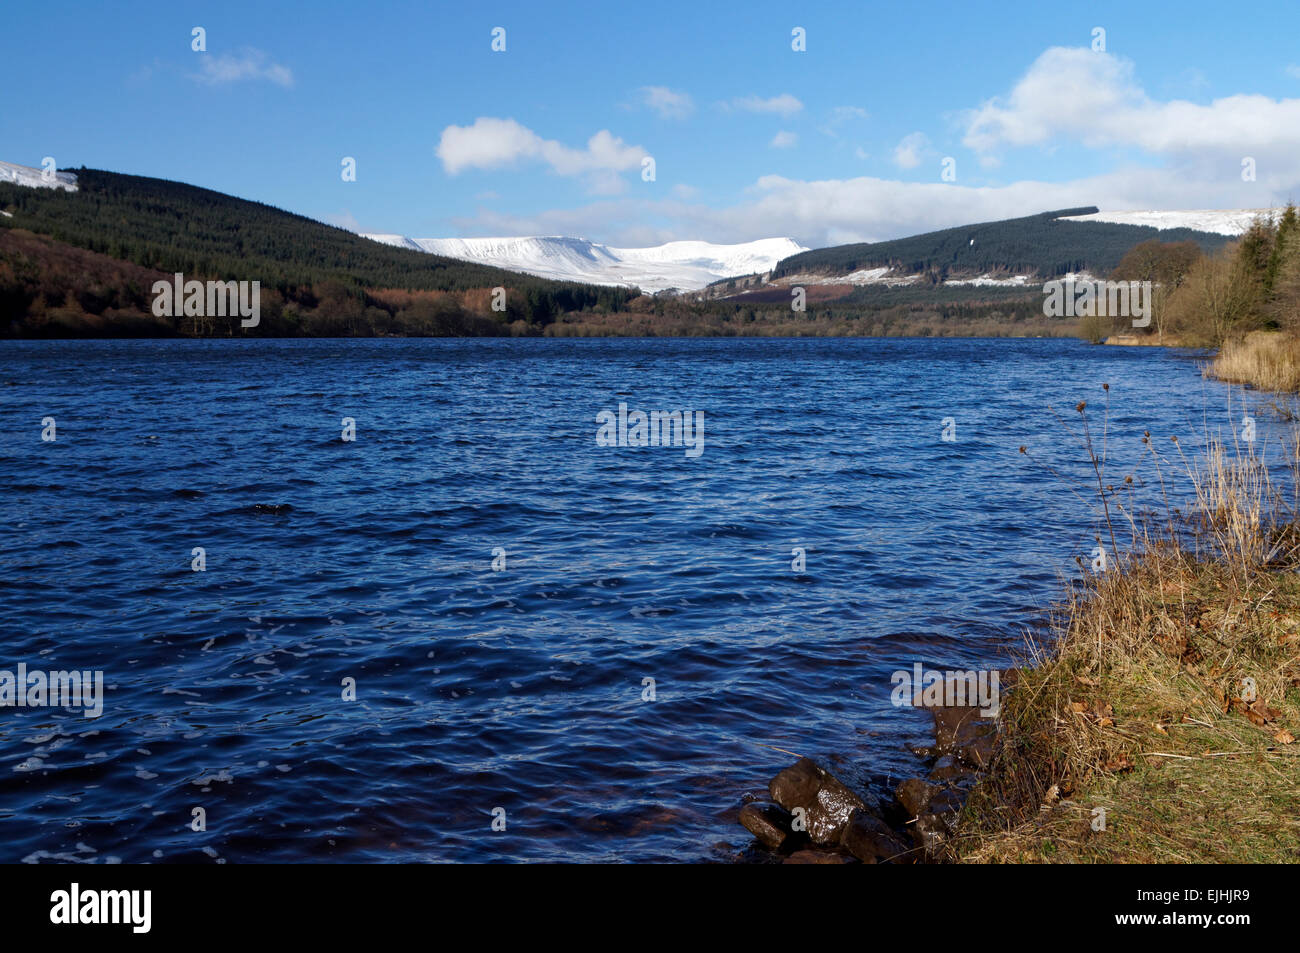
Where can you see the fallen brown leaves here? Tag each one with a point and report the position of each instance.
(1119, 764)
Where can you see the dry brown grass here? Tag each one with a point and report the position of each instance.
(1269, 360)
(1170, 697)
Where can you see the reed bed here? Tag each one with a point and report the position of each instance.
(1156, 722)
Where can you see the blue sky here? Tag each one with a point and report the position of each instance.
(750, 139)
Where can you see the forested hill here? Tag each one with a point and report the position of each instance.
(171, 227)
(1035, 245)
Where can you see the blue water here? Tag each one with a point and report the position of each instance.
(519, 689)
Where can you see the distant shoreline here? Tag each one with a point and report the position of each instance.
(126, 335)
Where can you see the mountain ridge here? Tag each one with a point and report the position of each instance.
(678, 265)
(1045, 245)
(25, 175)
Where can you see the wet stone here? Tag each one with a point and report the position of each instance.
(931, 834)
(796, 786)
(915, 794)
(946, 804)
(871, 840)
(948, 769)
(826, 802)
(770, 824)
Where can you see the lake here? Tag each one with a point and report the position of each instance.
(496, 587)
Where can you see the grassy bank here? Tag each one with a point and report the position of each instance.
(1268, 360)
(1169, 697)
(1143, 340)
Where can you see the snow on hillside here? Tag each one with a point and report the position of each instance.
(686, 266)
(1226, 221)
(36, 178)
(866, 276)
(988, 281)
(399, 241)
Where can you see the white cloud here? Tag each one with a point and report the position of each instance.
(1093, 99)
(784, 139)
(668, 103)
(908, 152)
(605, 182)
(839, 116)
(783, 105)
(1066, 98)
(491, 143)
(249, 64)
(873, 209)
(488, 143)
(1293, 70)
(834, 211)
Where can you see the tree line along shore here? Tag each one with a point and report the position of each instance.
(83, 263)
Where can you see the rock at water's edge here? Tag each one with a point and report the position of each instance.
(770, 823)
(826, 801)
(871, 840)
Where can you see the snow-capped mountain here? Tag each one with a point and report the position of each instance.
(685, 266)
(36, 178)
(1221, 221)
